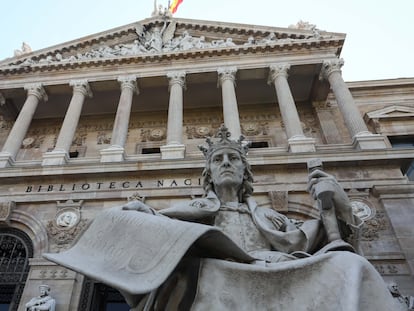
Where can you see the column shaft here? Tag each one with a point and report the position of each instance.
(351, 114)
(231, 117)
(35, 93)
(278, 75)
(70, 123)
(175, 108)
(120, 130)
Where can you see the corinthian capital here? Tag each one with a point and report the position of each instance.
(277, 70)
(330, 66)
(129, 82)
(37, 90)
(227, 73)
(176, 77)
(81, 86)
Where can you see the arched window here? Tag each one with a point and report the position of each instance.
(15, 250)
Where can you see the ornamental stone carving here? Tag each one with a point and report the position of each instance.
(81, 86)
(330, 66)
(37, 90)
(6, 209)
(373, 227)
(199, 131)
(176, 77)
(67, 225)
(155, 134)
(255, 128)
(227, 73)
(361, 209)
(163, 38)
(103, 138)
(279, 200)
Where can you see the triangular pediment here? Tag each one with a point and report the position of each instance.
(163, 36)
(391, 112)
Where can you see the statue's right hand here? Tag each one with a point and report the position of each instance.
(138, 206)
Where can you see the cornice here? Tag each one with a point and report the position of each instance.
(329, 156)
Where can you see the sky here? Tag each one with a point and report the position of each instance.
(379, 43)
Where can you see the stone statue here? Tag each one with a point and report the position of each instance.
(42, 302)
(224, 252)
(404, 302)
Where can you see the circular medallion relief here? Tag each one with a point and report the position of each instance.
(67, 219)
(28, 142)
(157, 134)
(250, 128)
(361, 209)
(203, 131)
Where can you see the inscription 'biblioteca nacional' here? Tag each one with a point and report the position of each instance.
(114, 185)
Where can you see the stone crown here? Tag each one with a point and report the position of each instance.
(239, 145)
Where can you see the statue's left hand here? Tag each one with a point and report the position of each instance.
(319, 181)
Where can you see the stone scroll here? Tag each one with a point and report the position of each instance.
(135, 252)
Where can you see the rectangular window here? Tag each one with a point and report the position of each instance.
(150, 150)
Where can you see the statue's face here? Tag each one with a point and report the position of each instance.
(227, 168)
(43, 291)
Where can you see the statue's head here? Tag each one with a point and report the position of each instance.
(226, 164)
(393, 288)
(44, 290)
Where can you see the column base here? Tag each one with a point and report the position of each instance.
(169, 152)
(112, 154)
(366, 141)
(6, 159)
(55, 157)
(301, 144)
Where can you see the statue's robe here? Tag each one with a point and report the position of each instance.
(159, 263)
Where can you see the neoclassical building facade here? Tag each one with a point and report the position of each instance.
(92, 123)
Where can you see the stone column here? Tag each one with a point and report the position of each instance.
(35, 93)
(60, 153)
(296, 139)
(227, 81)
(116, 152)
(362, 138)
(175, 148)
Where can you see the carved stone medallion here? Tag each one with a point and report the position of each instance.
(361, 209)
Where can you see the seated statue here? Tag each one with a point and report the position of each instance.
(224, 252)
(42, 302)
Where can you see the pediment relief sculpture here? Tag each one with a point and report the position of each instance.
(161, 36)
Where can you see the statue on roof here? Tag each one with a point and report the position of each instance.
(154, 39)
(159, 10)
(225, 252)
(25, 49)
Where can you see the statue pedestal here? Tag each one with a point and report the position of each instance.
(55, 157)
(112, 154)
(169, 152)
(301, 144)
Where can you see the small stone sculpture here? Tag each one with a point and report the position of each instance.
(42, 302)
(405, 303)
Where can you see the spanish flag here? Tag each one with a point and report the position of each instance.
(174, 5)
